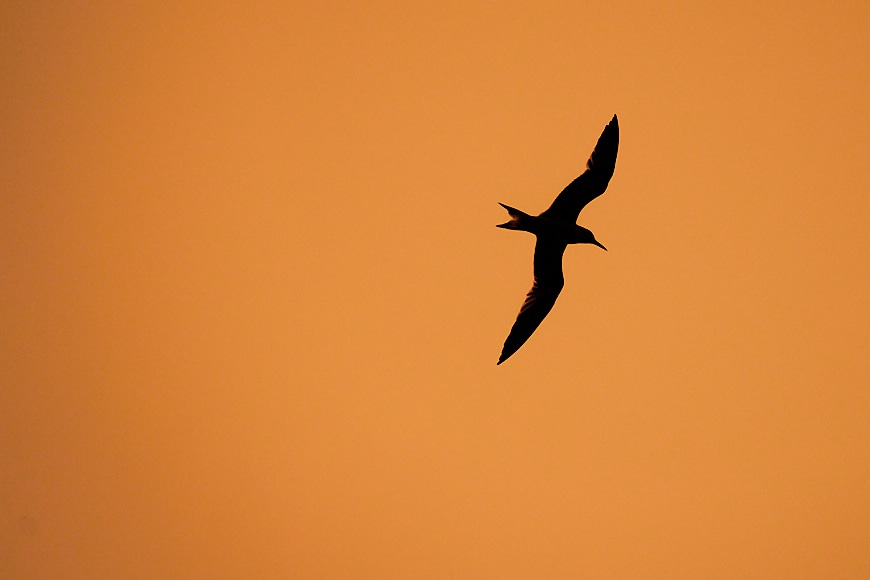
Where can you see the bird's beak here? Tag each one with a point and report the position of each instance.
(597, 243)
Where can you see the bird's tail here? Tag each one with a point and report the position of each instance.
(517, 218)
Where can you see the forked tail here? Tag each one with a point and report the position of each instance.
(517, 218)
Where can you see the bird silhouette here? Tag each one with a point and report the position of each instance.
(554, 229)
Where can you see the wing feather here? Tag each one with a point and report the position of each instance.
(593, 181)
(540, 299)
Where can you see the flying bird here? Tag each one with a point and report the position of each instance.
(554, 229)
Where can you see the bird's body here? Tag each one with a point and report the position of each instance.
(555, 229)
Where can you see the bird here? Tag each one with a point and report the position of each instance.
(555, 228)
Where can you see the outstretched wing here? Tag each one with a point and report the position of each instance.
(593, 181)
(540, 299)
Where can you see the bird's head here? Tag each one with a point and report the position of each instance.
(581, 235)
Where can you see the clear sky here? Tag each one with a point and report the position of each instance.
(252, 294)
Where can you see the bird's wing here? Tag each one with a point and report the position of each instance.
(593, 181)
(540, 299)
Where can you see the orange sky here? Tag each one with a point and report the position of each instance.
(252, 295)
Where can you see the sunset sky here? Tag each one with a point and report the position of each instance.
(252, 293)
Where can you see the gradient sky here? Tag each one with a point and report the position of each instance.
(252, 295)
